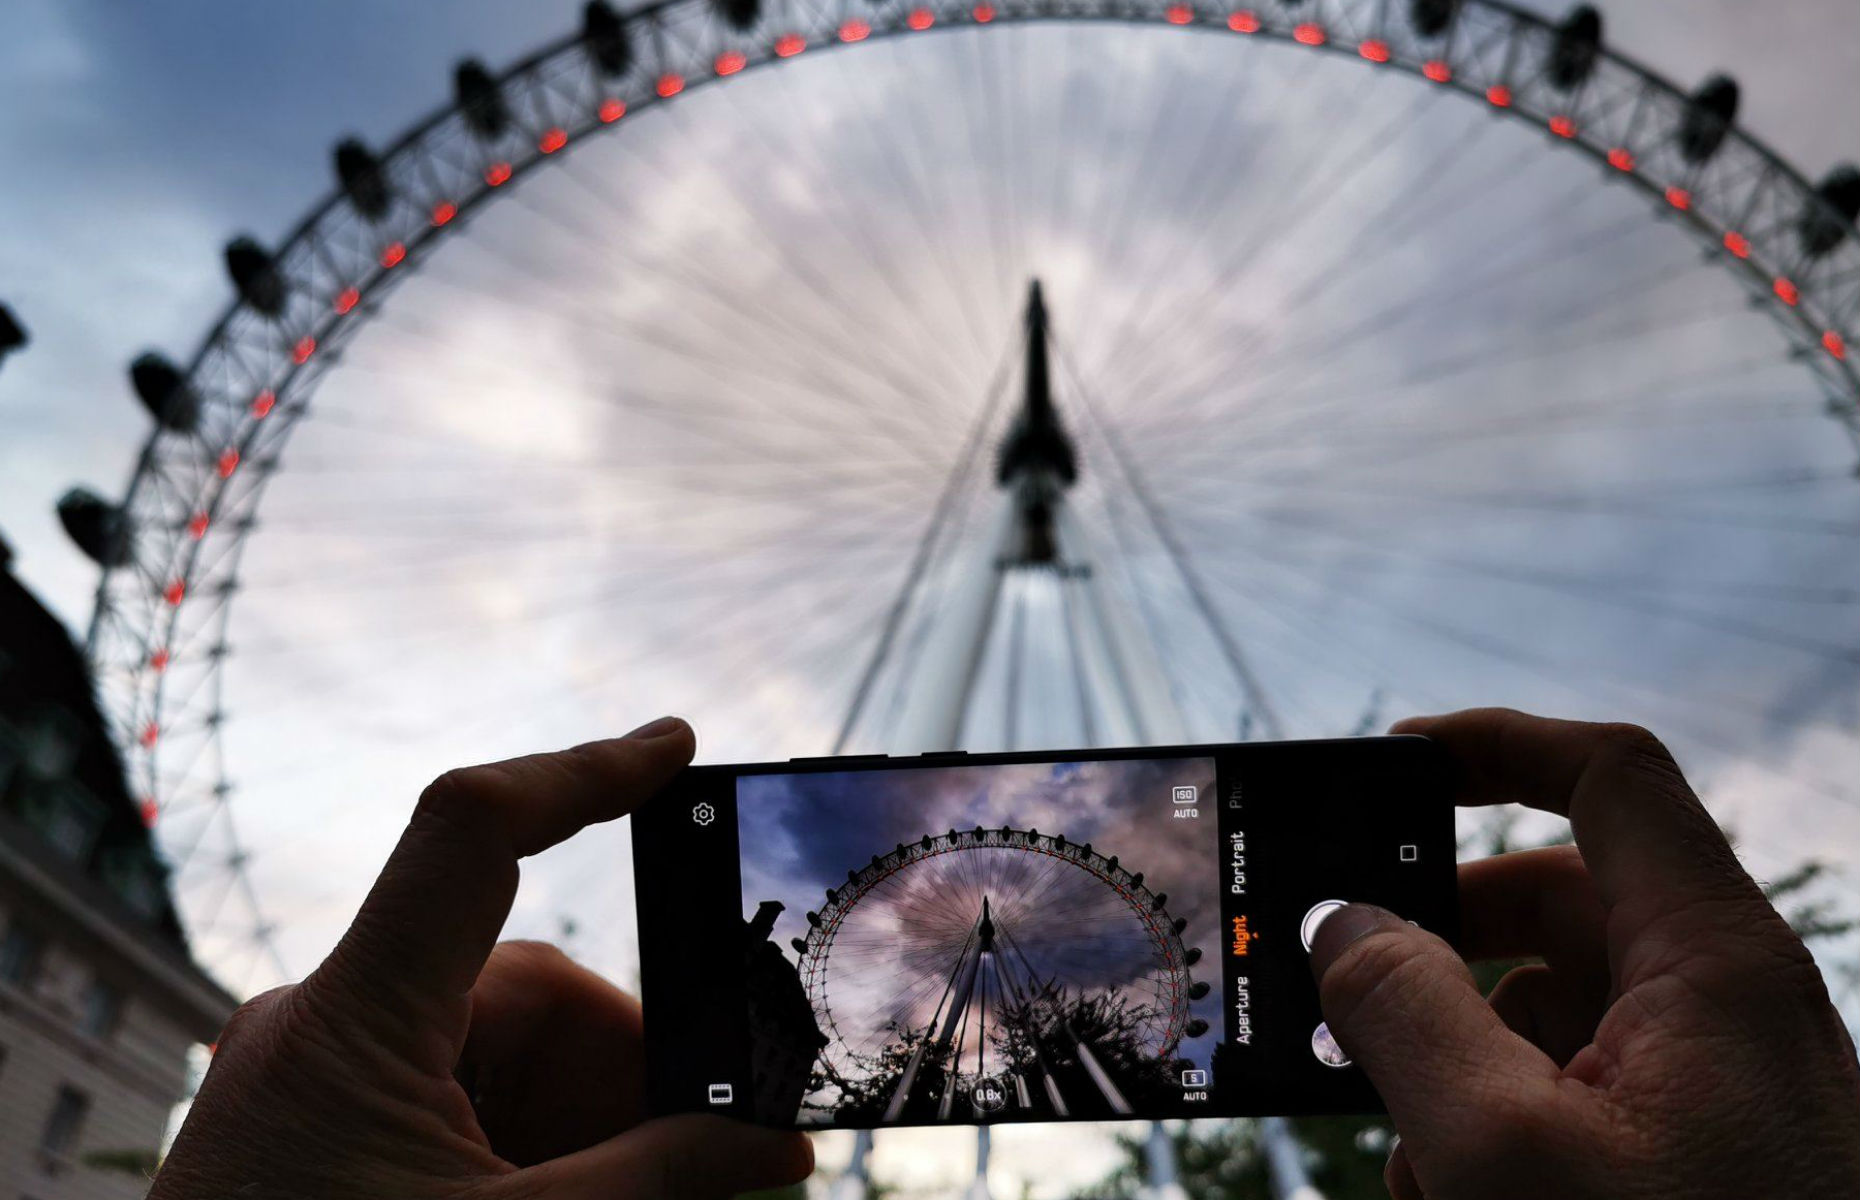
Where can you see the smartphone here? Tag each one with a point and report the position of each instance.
(867, 942)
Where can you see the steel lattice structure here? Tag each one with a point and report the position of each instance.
(1147, 907)
(1168, 979)
(159, 634)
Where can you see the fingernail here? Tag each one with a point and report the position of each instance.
(1341, 928)
(658, 728)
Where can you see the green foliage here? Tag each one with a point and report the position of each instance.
(1047, 1030)
(794, 1191)
(862, 1100)
(1222, 1160)
(140, 1163)
(1036, 1037)
(1816, 915)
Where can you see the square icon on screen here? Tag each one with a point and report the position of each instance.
(1410, 853)
(1194, 1079)
(722, 1093)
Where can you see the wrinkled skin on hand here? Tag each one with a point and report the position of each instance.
(1677, 1040)
(421, 1059)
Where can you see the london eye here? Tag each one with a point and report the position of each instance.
(1386, 356)
(985, 944)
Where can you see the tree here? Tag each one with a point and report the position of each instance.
(1034, 1037)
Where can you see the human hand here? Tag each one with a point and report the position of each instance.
(1676, 1041)
(420, 1061)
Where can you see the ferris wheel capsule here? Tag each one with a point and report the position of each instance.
(1710, 113)
(256, 276)
(363, 180)
(12, 333)
(98, 527)
(605, 35)
(165, 392)
(480, 99)
(1831, 215)
(739, 14)
(1431, 17)
(1578, 44)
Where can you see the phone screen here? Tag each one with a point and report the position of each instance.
(953, 939)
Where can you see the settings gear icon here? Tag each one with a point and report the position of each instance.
(703, 814)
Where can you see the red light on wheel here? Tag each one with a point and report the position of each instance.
(263, 403)
(1679, 198)
(228, 463)
(305, 347)
(175, 592)
(984, 13)
(855, 30)
(151, 733)
(730, 62)
(790, 44)
(149, 810)
(158, 659)
(1835, 344)
(393, 254)
(1375, 50)
(1243, 22)
(1563, 127)
(1621, 158)
(444, 211)
(1309, 34)
(1498, 96)
(920, 19)
(497, 174)
(346, 300)
(1787, 292)
(552, 141)
(669, 86)
(197, 526)
(1737, 244)
(611, 110)
(1437, 71)
(1178, 14)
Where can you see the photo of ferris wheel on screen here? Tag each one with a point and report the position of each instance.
(1011, 941)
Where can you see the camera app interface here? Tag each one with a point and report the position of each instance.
(1030, 941)
(1092, 938)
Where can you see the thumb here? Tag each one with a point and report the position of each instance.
(1405, 1008)
(674, 1158)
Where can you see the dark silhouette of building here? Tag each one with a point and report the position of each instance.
(100, 1001)
(784, 1038)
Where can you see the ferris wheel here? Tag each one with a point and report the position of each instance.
(1402, 354)
(1009, 936)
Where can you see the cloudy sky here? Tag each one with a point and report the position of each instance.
(646, 438)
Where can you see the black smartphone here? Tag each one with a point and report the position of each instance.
(869, 942)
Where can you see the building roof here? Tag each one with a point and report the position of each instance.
(58, 739)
